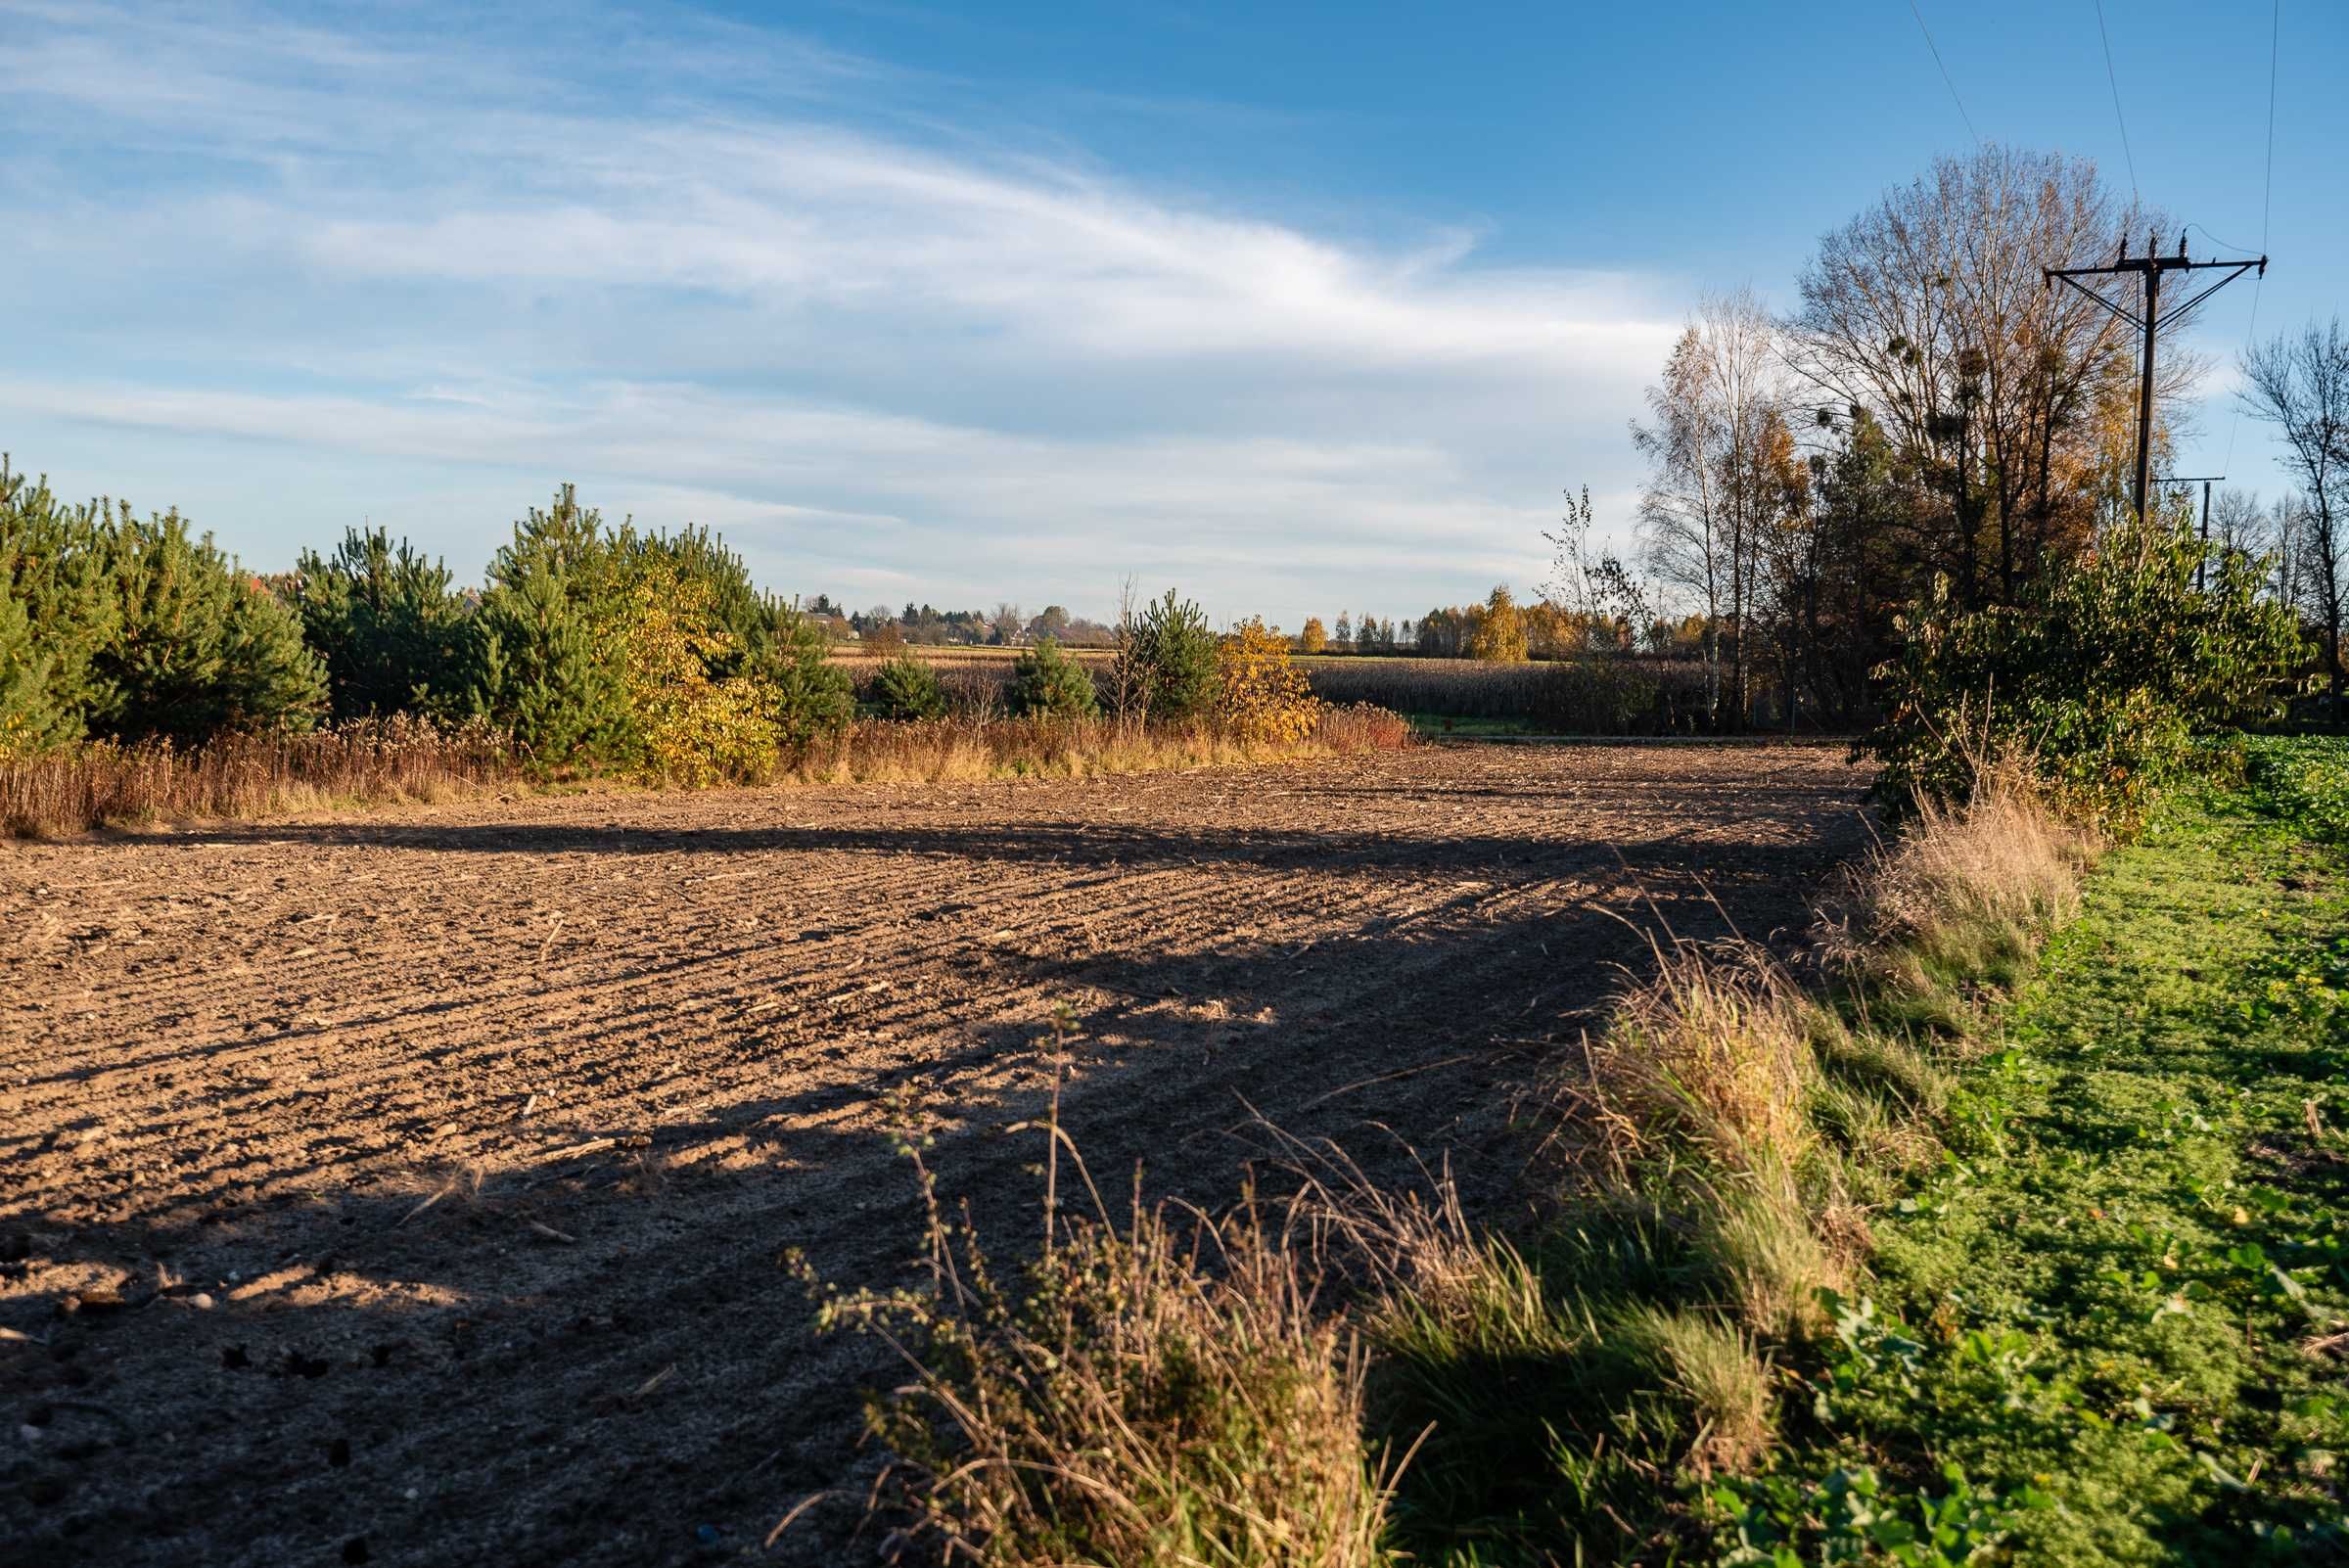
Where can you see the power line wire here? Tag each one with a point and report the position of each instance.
(2115, 82)
(2267, 192)
(1945, 72)
(2267, 187)
(2224, 245)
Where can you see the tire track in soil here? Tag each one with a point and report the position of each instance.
(245, 1057)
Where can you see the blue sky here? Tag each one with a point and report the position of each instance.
(1301, 308)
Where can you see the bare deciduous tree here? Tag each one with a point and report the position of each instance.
(1589, 583)
(2284, 533)
(2299, 382)
(1930, 310)
(2239, 524)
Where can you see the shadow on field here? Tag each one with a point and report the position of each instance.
(1114, 845)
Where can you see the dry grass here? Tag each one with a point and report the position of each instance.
(1425, 1276)
(1713, 1051)
(1720, 1371)
(366, 762)
(1475, 1338)
(1778, 1236)
(378, 762)
(2001, 865)
(1754, 1110)
(1704, 1086)
(1163, 1393)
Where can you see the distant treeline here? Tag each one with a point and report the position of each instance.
(1007, 625)
(1501, 630)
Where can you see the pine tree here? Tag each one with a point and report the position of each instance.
(391, 633)
(28, 718)
(907, 688)
(56, 613)
(811, 696)
(1166, 662)
(542, 674)
(202, 646)
(545, 669)
(1046, 683)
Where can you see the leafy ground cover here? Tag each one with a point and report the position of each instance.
(2111, 1325)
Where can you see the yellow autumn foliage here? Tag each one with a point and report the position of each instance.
(696, 730)
(1260, 697)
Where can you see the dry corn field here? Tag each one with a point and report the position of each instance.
(411, 1189)
(1569, 696)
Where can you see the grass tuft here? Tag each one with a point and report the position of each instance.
(1720, 1369)
(1164, 1391)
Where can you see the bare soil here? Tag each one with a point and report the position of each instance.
(410, 1189)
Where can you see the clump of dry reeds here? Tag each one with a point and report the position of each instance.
(364, 760)
(1349, 728)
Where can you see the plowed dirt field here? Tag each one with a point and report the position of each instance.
(409, 1189)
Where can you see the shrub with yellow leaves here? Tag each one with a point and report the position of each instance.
(1260, 697)
(695, 729)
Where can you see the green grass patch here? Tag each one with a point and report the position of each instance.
(2113, 1326)
(1440, 724)
(2304, 781)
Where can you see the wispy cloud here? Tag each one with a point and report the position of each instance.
(769, 300)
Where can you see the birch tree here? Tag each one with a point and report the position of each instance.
(1716, 429)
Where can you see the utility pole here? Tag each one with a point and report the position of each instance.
(2149, 267)
(2206, 481)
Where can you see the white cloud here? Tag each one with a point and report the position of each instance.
(974, 374)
